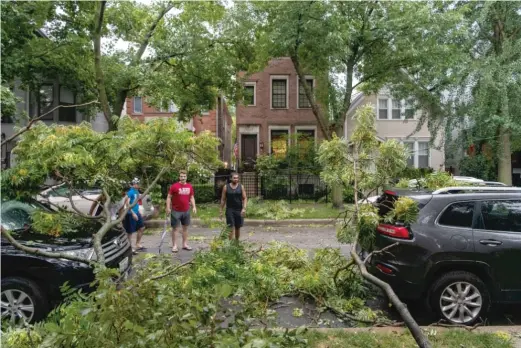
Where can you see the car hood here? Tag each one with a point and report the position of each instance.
(77, 240)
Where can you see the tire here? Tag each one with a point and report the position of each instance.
(460, 297)
(32, 295)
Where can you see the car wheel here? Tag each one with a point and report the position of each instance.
(460, 297)
(22, 300)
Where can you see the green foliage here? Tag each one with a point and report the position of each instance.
(204, 193)
(405, 211)
(278, 210)
(188, 307)
(8, 103)
(61, 223)
(415, 173)
(478, 166)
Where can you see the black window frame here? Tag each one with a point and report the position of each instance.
(67, 114)
(474, 214)
(280, 96)
(249, 95)
(303, 101)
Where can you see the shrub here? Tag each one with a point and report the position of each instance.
(204, 193)
(478, 166)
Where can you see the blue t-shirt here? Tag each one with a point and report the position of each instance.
(133, 194)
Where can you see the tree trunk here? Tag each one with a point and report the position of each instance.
(505, 157)
(338, 190)
(100, 80)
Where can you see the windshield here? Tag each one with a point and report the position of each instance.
(16, 215)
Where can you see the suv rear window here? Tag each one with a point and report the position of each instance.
(501, 215)
(458, 215)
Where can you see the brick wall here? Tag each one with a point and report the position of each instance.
(263, 116)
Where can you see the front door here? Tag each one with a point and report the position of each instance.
(248, 147)
(497, 242)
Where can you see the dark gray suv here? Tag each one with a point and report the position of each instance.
(462, 254)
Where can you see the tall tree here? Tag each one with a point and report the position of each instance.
(476, 90)
(186, 52)
(347, 46)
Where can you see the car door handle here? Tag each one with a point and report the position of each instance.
(490, 242)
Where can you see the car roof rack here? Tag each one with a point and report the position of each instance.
(477, 189)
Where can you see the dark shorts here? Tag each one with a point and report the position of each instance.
(182, 217)
(132, 225)
(234, 218)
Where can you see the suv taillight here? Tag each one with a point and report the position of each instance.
(393, 231)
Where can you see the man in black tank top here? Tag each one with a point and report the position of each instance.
(234, 197)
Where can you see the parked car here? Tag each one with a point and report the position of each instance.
(493, 183)
(30, 284)
(83, 199)
(462, 254)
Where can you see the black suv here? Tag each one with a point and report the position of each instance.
(462, 254)
(31, 284)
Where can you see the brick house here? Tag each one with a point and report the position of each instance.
(274, 108)
(218, 120)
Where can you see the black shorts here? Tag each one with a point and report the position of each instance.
(234, 218)
(182, 217)
(132, 225)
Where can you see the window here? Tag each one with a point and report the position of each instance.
(501, 216)
(409, 109)
(458, 215)
(397, 109)
(16, 215)
(249, 95)
(279, 143)
(410, 159)
(306, 140)
(279, 94)
(45, 101)
(138, 105)
(423, 154)
(67, 98)
(303, 101)
(172, 107)
(382, 108)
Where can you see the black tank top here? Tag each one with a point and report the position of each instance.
(234, 197)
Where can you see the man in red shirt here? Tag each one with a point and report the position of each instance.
(180, 195)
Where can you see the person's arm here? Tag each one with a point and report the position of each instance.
(192, 200)
(244, 201)
(223, 201)
(168, 208)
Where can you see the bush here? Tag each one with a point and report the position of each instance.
(204, 193)
(349, 195)
(478, 166)
(415, 173)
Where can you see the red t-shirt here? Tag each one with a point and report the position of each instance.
(181, 196)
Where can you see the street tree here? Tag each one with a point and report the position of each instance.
(80, 157)
(348, 46)
(185, 52)
(475, 89)
(368, 165)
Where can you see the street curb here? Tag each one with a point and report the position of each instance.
(393, 329)
(291, 222)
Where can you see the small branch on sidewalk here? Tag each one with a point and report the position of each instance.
(441, 323)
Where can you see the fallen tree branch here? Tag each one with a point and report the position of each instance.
(411, 324)
(381, 251)
(171, 271)
(33, 120)
(40, 252)
(345, 268)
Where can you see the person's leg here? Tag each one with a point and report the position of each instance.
(174, 222)
(238, 224)
(140, 225)
(185, 221)
(230, 223)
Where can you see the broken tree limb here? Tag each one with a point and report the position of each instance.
(411, 324)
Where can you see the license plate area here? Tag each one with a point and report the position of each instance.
(123, 265)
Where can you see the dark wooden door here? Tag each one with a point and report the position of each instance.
(248, 147)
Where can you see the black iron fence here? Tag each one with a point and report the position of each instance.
(288, 186)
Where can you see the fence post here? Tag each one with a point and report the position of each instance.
(327, 194)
